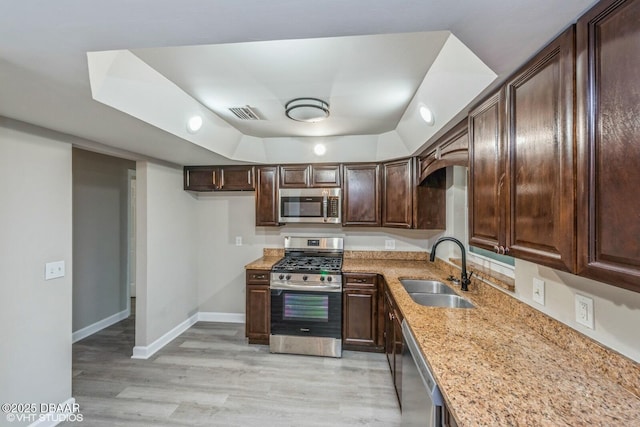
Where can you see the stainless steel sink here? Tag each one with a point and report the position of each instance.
(440, 300)
(426, 286)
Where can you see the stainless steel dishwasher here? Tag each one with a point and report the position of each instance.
(421, 397)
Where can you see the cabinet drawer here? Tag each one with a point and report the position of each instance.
(258, 277)
(363, 280)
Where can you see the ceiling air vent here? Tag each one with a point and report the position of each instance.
(244, 113)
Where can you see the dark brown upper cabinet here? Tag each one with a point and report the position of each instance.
(540, 175)
(452, 149)
(361, 195)
(237, 178)
(301, 176)
(201, 178)
(405, 204)
(397, 198)
(325, 176)
(608, 95)
(294, 176)
(487, 173)
(521, 148)
(430, 202)
(521, 151)
(267, 196)
(219, 178)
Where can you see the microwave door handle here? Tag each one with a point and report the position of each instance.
(325, 202)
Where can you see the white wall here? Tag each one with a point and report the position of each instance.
(616, 310)
(221, 217)
(100, 201)
(167, 241)
(35, 228)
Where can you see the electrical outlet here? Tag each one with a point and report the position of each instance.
(238, 240)
(53, 270)
(390, 244)
(584, 311)
(538, 291)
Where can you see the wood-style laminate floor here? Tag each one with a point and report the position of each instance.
(210, 376)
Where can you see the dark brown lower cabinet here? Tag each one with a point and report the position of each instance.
(361, 321)
(258, 307)
(393, 341)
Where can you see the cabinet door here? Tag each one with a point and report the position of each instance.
(201, 178)
(393, 342)
(397, 194)
(430, 202)
(237, 178)
(325, 175)
(361, 199)
(540, 212)
(487, 181)
(267, 195)
(294, 176)
(360, 317)
(258, 314)
(388, 332)
(397, 355)
(608, 92)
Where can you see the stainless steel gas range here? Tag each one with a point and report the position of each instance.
(306, 297)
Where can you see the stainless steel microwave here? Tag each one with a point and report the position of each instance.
(314, 205)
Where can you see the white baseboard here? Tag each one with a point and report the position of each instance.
(145, 352)
(52, 419)
(100, 325)
(210, 316)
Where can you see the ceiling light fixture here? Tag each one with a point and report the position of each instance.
(194, 124)
(309, 110)
(427, 115)
(319, 149)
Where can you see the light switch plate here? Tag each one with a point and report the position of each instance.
(53, 270)
(538, 291)
(390, 244)
(584, 311)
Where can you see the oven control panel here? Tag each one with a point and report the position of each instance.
(330, 281)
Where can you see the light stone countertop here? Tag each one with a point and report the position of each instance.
(264, 263)
(504, 363)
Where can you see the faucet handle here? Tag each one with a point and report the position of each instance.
(466, 280)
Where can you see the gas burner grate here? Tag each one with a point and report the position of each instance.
(309, 264)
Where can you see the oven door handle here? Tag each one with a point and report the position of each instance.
(311, 288)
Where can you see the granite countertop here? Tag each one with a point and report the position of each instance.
(494, 370)
(264, 263)
(494, 364)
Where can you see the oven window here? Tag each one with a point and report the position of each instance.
(302, 207)
(306, 307)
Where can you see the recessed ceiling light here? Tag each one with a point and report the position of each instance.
(308, 110)
(427, 115)
(194, 124)
(319, 149)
